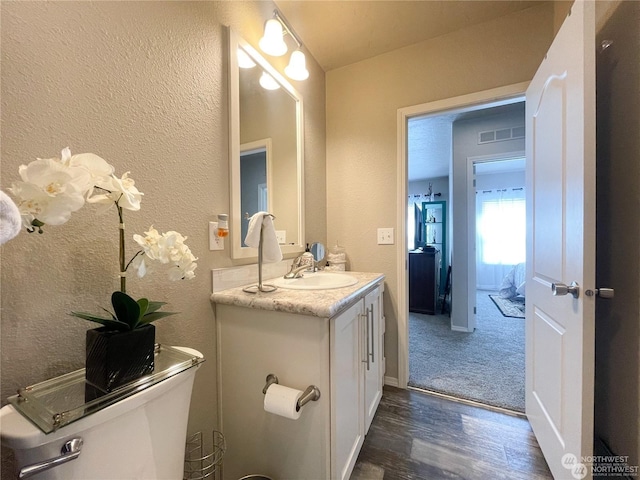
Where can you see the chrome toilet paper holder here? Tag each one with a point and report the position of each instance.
(312, 393)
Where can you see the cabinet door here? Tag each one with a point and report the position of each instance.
(373, 349)
(347, 420)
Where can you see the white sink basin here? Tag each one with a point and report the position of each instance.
(316, 281)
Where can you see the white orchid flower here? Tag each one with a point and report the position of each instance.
(139, 265)
(183, 272)
(98, 168)
(38, 203)
(54, 177)
(166, 248)
(118, 190)
(50, 191)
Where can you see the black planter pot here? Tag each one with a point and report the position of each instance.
(115, 358)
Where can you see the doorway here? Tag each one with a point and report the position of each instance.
(483, 361)
(465, 115)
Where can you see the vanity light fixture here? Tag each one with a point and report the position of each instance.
(268, 82)
(244, 60)
(297, 69)
(273, 43)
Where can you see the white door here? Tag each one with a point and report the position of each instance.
(560, 116)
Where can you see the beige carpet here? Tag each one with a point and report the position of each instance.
(486, 366)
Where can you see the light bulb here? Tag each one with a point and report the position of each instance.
(244, 60)
(268, 82)
(272, 41)
(297, 69)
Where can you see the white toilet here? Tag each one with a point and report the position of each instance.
(139, 437)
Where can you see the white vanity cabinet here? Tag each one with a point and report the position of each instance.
(357, 372)
(341, 354)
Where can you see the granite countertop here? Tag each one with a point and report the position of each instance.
(318, 303)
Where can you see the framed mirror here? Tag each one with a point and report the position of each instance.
(265, 150)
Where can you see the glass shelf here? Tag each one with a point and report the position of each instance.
(58, 402)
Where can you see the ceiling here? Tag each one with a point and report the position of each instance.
(339, 33)
(430, 139)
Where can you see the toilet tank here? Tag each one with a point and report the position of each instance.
(139, 437)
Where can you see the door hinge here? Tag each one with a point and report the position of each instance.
(474, 310)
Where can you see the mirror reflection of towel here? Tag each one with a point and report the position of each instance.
(10, 220)
(270, 248)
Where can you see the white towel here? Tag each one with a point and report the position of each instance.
(10, 220)
(270, 248)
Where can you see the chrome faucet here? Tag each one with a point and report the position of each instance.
(296, 268)
(296, 272)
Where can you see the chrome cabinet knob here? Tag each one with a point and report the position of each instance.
(560, 289)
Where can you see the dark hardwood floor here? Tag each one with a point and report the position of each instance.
(415, 435)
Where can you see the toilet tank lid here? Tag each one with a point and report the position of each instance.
(57, 402)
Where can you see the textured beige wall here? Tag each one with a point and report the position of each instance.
(144, 85)
(362, 104)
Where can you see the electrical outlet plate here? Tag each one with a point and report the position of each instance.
(385, 236)
(215, 242)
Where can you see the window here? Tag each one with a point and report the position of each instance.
(501, 226)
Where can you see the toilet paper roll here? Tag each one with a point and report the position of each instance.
(282, 401)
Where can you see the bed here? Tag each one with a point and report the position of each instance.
(513, 283)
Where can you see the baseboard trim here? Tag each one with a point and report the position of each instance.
(391, 381)
(455, 328)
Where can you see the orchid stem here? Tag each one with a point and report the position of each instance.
(132, 259)
(123, 279)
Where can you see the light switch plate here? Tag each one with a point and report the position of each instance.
(215, 242)
(385, 236)
(281, 235)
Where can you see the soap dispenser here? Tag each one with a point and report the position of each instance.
(307, 259)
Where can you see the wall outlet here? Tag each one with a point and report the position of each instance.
(215, 242)
(385, 236)
(281, 236)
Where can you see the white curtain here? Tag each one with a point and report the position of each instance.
(500, 234)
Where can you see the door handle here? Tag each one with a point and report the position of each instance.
(366, 338)
(70, 451)
(560, 289)
(372, 335)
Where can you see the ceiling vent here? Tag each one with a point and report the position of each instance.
(500, 135)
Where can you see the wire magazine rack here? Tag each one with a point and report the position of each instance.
(203, 456)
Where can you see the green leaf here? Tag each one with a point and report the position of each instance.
(112, 315)
(107, 322)
(143, 303)
(126, 309)
(155, 306)
(152, 317)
